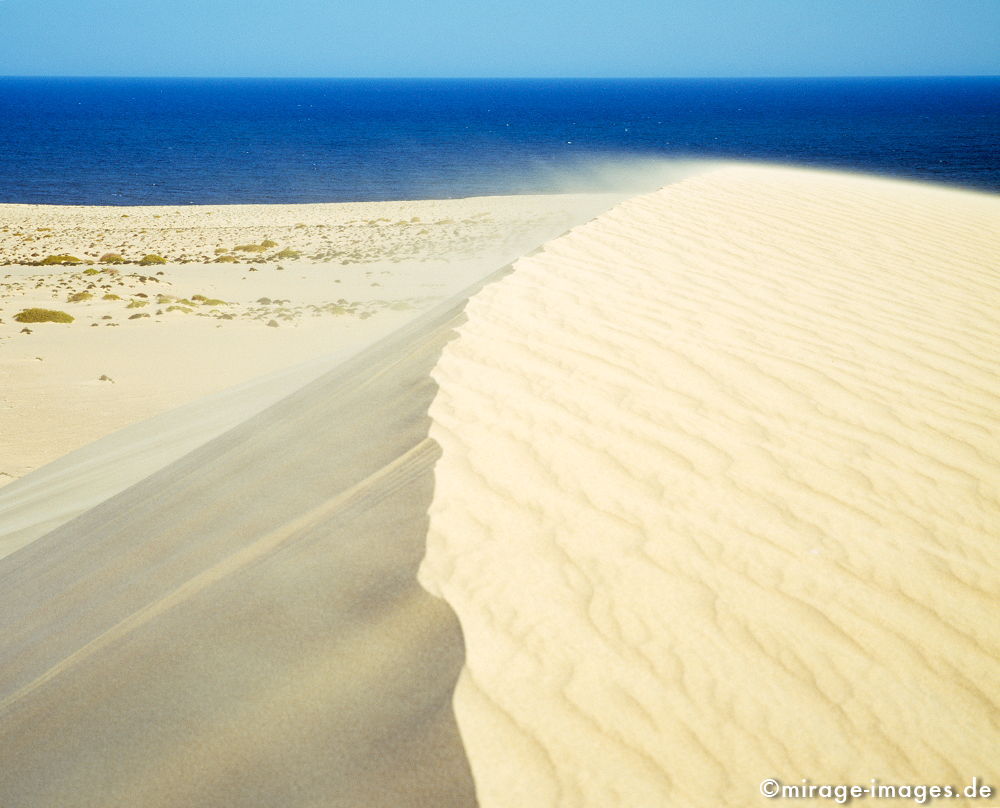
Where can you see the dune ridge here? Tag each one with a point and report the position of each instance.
(244, 625)
(719, 496)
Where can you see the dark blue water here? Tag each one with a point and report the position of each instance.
(170, 141)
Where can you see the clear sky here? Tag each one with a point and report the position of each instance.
(413, 38)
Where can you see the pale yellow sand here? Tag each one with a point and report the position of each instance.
(244, 627)
(718, 499)
(155, 344)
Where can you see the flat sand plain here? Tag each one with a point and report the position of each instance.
(245, 290)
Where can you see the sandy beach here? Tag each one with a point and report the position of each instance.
(702, 492)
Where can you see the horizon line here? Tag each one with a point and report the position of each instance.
(509, 78)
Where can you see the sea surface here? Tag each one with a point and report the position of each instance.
(183, 141)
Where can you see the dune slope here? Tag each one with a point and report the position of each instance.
(718, 498)
(244, 627)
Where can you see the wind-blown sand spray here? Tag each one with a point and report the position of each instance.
(718, 498)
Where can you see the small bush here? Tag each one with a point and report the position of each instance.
(111, 296)
(249, 248)
(184, 309)
(221, 251)
(152, 258)
(62, 258)
(137, 304)
(226, 259)
(111, 258)
(267, 244)
(79, 297)
(91, 272)
(288, 252)
(43, 316)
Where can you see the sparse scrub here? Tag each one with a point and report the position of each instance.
(91, 272)
(62, 258)
(152, 258)
(79, 297)
(43, 316)
(226, 259)
(111, 296)
(256, 248)
(288, 252)
(137, 304)
(267, 244)
(111, 258)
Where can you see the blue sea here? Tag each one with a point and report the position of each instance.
(181, 141)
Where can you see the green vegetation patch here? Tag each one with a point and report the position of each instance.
(288, 252)
(62, 258)
(79, 297)
(152, 258)
(43, 316)
(111, 258)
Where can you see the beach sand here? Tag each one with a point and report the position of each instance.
(707, 489)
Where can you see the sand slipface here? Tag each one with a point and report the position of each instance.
(718, 499)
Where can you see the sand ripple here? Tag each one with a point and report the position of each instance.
(718, 498)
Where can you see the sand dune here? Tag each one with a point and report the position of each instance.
(245, 627)
(718, 498)
(708, 486)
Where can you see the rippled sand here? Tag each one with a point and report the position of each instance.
(708, 486)
(718, 498)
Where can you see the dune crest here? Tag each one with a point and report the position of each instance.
(718, 498)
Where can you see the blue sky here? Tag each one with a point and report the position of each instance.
(410, 38)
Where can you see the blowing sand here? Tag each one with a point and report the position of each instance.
(708, 488)
(718, 498)
(245, 290)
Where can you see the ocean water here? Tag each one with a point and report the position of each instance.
(183, 141)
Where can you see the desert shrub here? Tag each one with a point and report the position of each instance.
(111, 258)
(164, 299)
(137, 304)
(62, 258)
(267, 243)
(111, 296)
(91, 272)
(221, 251)
(79, 297)
(249, 248)
(43, 316)
(137, 316)
(226, 259)
(288, 252)
(152, 258)
(184, 309)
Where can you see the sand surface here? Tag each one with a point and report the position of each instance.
(718, 498)
(245, 627)
(148, 337)
(708, 488)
